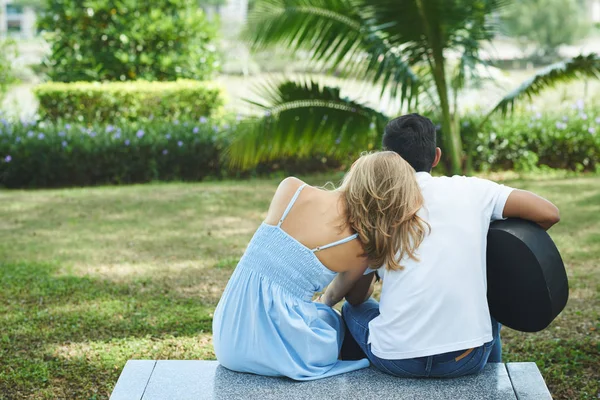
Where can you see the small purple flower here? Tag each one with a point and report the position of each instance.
(64, 143)
(92, 133)
(579, 104)
(110, 128)
(372, 125)
(68, 126)
(353, 109)
(267, 113)
(117, 135)
(8, 159)
(151, 117)
(30, 134)
(168, 136)
(127, 142)
(180, 143)
(538, 115)
(530, 125)
(196, 129)
(561, 125)
(140, 134)
(18, 139)
(215, 128)
(61, 134)
(325, 117)
(338, 140)
(185, 124)
(592, 130)
(583, 116)
(41, 136)
(238, 117)
(598, 120)
(226, 126)
(203, 120)
(438, 127)
(176, 122)
(165, 152)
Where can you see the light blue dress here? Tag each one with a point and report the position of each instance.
(266, 322)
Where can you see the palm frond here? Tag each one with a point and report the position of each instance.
(342, 34)
(329, 29)
(564, 71)
(305, 118)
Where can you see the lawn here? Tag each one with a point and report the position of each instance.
(90, 278)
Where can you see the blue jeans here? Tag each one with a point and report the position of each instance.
(447, 365)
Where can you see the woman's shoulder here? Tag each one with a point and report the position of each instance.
(290, 184)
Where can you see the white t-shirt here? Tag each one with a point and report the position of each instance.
(439, 304)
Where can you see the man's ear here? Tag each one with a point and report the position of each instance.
(438, 157)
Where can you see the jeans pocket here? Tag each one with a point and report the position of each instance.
(471, 364)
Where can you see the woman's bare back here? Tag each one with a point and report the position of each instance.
(316, 219)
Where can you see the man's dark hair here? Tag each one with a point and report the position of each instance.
(413, 137)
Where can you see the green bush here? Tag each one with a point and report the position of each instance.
(127, 101)
(530, 140)
(109, 40)
(49, 154)
(60, 155)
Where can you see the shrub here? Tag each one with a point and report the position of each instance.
(119, 101)
(48, 155)
(59, 155)
(526, 141)
(104, 40)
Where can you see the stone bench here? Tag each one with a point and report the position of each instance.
(182, 380)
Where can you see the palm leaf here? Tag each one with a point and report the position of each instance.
(340, 33)
(329, 29)
(303, 119)
(564, 71)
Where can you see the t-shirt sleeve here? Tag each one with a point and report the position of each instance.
(493, 196)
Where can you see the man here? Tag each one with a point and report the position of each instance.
(433, 319)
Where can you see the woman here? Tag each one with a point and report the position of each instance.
(265, 322)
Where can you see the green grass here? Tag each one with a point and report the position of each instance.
(90, 278)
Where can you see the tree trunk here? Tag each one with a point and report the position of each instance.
(452, 142)
(437, 63)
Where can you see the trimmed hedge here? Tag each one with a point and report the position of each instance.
(62, 155)
(93, 102)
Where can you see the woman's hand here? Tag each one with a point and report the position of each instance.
(322, 299)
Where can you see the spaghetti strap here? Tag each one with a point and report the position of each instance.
(342, 241)
(289, 207)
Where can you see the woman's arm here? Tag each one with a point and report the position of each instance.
(341, 285)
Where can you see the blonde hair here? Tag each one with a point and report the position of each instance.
(382, 199)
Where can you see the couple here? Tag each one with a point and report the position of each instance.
(424, 236)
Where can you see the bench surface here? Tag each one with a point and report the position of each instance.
(182, 380)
